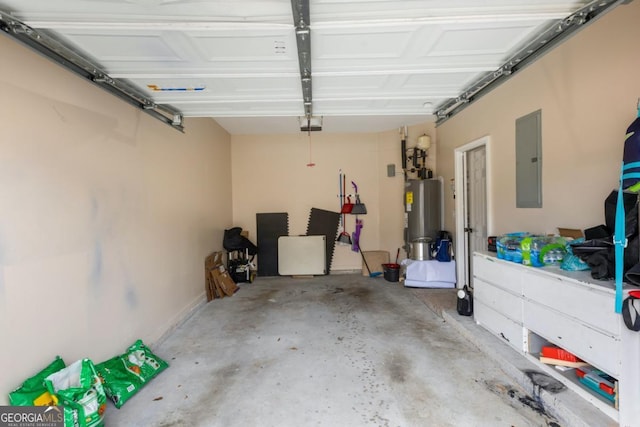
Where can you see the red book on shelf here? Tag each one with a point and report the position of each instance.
(552, 352)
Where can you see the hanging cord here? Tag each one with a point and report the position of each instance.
(310, 164)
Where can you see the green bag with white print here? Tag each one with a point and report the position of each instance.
(126, 374)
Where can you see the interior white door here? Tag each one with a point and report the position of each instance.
(475, 205)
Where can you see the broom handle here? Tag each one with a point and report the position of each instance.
(344, 184)
(344, 192)
(365, 261)
(341, 196)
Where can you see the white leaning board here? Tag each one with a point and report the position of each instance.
(302, 255)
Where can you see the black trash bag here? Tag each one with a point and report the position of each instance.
(598, 232)
(234, 241)
(631, 257)
(599, 253)
(631, 253)
(584, 250)
(603, 262)
(630, 201)
(631, 221)
(633, 275)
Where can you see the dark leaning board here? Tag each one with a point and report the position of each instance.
(269, 227)
(324, 223)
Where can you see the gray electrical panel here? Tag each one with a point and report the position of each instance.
(529, 160)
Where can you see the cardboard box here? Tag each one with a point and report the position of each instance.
(223, 282)
(211, 263)
(375, 259)
(573, 233)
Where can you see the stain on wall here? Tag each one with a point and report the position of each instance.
(96, 265)
(131, 296)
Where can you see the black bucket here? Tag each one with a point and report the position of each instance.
(391, 272)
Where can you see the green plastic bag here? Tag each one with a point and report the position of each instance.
(33, 392)
(124, 375)
(79, 389)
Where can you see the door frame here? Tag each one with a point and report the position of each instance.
(462, 201)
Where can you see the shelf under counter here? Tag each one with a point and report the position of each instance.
(569, 309)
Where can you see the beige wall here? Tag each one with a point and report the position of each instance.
(107, 215)
(587, 89)
(270, 174)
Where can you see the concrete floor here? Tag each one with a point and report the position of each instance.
(339, 350)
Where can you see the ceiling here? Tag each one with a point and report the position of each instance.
(376, 65)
